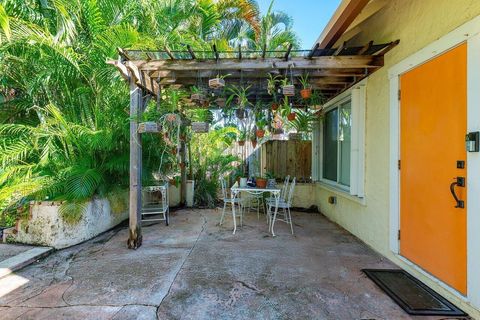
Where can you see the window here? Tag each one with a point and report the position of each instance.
(337, 141)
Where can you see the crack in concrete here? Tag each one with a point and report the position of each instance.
(183, 262)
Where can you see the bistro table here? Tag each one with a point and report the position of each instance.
(275, 192)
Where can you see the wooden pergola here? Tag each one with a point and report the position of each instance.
(331, 71)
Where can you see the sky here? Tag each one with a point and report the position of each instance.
(309, 16)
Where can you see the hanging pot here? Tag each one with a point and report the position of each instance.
(241, 113)
(182, 165)
(254, 143)
(221, 102)
(216, 83)
(241, 143)
(260, 133)
(288, 90)
(306, 93)
(275, 106)
(291, 116)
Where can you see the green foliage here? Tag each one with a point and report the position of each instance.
(210, 162)
(303, 122)
(64, 121)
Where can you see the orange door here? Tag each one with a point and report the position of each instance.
(433, 111)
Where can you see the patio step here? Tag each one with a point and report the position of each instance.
(23, 259)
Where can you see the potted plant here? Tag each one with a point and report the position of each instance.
(288, 89)
(316, 100)
(253, 140)
(197, 94)
(240, 94)
(287, 110)
(261, 123)
(271, 181)
(218, 82)
(242, 137)
(272, 83)
(303, 124)
(261, 182)
(306, 91)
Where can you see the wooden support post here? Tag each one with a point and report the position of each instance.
(183, 174)
(135, 204)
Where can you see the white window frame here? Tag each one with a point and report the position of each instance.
(357, 96)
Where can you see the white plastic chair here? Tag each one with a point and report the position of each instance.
(284, 204)
(227, 199)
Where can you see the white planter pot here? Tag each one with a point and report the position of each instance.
(190, 192)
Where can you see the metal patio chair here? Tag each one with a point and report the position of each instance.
(284, 204)
(227, 200)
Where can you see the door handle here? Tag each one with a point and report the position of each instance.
(459, 182)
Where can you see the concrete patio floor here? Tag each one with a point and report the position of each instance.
(194, 269)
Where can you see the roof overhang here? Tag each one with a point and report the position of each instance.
(346, 13)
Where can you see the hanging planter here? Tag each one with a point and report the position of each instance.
(260, 133)
(275, 106)
(297, 136)
(216, 83)
(288, 90)
(291, 116)
(149, 127)
(200, 127)
(221, 102)
(254, 143)
(306, 93)
(241, 143)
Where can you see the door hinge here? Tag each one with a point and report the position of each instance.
(399, 164)
(399, 95)
(398, 235)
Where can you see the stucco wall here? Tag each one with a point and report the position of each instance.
(417, 24)
(46, 227)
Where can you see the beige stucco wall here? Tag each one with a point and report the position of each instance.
(416, 23)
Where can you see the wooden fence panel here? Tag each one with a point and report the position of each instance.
(284, 158)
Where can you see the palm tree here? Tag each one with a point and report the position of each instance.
(63, 125)
(275, 33)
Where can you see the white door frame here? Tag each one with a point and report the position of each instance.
(470, 33)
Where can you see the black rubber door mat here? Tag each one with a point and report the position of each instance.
(412, 295)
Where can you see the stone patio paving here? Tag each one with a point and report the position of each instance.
(195, 269)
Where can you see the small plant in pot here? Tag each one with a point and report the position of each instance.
(271, 181)
(253, 140)
(261, 182)
(260, 122)
(306, 91)
(272, 83)
(217, 82)
(197, 95)
(287, 110)
(288, 89)
(240, 96)
(242, 137)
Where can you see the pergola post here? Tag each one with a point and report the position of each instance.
(135, 203)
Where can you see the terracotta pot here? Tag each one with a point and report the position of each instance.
(241, 143)
(261, 183)
(306, 93)
(260, 133)
(182, 165)
(254, 143)
(275, 106)
(291, 116)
